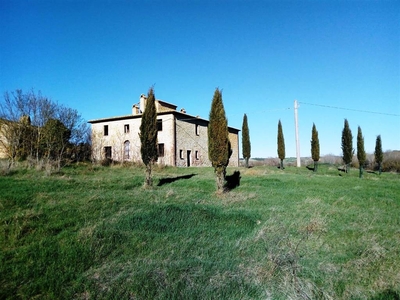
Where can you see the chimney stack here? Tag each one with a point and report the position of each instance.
(135, 109)
(142, 104)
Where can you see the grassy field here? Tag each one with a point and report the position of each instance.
(95, 233)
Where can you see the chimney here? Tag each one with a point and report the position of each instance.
(135, 109)
(143, 99)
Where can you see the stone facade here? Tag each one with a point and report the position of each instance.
(191, 142)
(3, 140)
(182, 138)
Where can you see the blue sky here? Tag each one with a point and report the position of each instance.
(99, 56)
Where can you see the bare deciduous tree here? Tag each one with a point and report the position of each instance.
(23, 117)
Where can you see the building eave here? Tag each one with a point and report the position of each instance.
(176, 113)
(126, 117)
(191, 117)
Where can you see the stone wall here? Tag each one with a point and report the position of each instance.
(184, 138)
(234, 138)
(117, 136)
(166, 137)
(191, 141)
(3, 139)
(127, 130)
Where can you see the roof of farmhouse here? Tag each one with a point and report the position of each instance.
(163, 108)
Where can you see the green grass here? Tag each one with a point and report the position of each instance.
(96, 233)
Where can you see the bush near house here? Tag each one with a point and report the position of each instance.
(35, 129)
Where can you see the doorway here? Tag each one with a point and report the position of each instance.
(189, 158)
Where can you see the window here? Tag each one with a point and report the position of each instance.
(189, 158)
(126, 149)
(126, 128)
(196, 153)
(197, 129)
(105, 129)
(181, 154)
(160, 150)
(159, 125)
(107, 152)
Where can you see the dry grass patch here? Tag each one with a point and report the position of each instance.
(236, 197)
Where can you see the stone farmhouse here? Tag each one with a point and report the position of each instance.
(3, 139)
(182, 138)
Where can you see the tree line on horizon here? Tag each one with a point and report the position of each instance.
(347, 147)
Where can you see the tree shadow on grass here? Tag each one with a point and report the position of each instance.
(172, 179)
(232, 181)
(310, 168)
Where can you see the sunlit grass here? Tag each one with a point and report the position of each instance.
(96, 233)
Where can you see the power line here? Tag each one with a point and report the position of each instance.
(359, 110)
(252, 112)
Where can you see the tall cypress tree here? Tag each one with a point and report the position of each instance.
(315, 147)
(246, 146)
(378, 153)
(281, 144)
(361, 156)
(218, 139)
(347, 145)
(148, 136)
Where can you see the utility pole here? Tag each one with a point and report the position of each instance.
(296, 124)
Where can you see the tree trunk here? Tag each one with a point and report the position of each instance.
(10, 164)
(220, 178)
(58, 164)
(246, 162)
(380, 168)
(281, 165)
(361, 172)
(149, 179)
(315, 166)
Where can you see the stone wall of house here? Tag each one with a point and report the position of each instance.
(3, 152)
(234, 138)
(191, 142)
(3, 140)
(126, 131)
(166, 137)
(118, 134)
(184, 139)
(162, 106)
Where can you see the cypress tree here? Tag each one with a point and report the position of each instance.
(148, 136)
(281, 144)
(315, 147)
(378, 153)
(347, 145)
(218, 139)
(361, 156)
(246, 146)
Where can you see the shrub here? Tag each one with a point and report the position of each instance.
(391, 162)
(331, 159)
